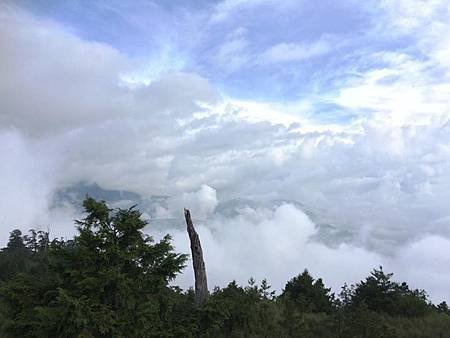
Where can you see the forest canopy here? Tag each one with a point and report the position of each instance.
(112, 280)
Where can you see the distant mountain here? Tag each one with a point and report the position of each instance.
(74, 195)
(230, 208)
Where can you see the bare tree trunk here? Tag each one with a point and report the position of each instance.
(201, 284)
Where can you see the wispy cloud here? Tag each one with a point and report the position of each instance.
(297, 52)
(381, 176)
(224, 9)
(232, 53)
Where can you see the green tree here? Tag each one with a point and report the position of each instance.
(308, 295)
(110, 280)
(14, 257)
(443, 308)
(381, 294)
(16, 241)
(236, 311)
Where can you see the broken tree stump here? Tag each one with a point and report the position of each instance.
(201, 284)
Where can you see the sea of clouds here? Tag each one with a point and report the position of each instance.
(68, 114)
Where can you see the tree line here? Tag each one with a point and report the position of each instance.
(112, 280)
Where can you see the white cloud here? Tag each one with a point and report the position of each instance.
(52, 80)
(425, 22)
(403, 91)
(226, 8)
(411, 15)
(431, 258)
(278, 244)
(202, 202)
(231, 55)
(380, 181)
(295, 52)
(28, 178)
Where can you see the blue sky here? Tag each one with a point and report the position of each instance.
(340, 107)
(258, 50)
(320, 45)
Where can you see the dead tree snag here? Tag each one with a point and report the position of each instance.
(201, 284)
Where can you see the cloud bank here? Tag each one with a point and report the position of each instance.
(367, 146)
(278, 244)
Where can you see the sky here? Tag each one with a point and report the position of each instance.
(339, 107)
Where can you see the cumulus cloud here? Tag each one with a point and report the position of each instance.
(203, 201)
(431, 257)
(70, 92)
(379, 181)
(52, 80)
(278, 244)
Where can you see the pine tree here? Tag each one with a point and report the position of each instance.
(308, 294)
(110, 280)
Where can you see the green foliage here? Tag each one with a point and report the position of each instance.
(108, 281)
(307, 294)
(236, 311)
(381, 294)
(111, 280)
(443, 308)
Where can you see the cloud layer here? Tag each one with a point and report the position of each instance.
(364, 142)
(279, 243)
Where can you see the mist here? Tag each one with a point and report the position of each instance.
(368, 156)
